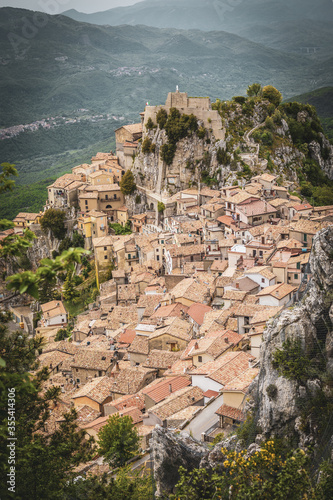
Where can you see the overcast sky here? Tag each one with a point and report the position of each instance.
(58, 6)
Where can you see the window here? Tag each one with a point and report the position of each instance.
(162, 241)
(115, 196)
(129, 255)
(105, 257)
(157, 257)
(78, 380)
(298, 265)
(262, 280)
(261, 253)
(100, 373)
(105, 249)
(199, 359)
(86, 202)
(295, 276)
(305, 237)
(62, 320)
(106, 197)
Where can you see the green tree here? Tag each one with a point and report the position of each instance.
(127, 183)
(126, 485)
(160, 207)
(70, 292)
(146, 146)
(54, 220)
(8, 170)
(44, 462)
(161, 118)
(118, 440)
(28, 281)
(254, 90)
(272, 95)
(150, 124)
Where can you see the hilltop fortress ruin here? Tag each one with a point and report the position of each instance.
(156, 180)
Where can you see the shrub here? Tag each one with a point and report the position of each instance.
(161, 118)
(272, 391)
(160, 207)
(201, 132)
(150, 124)
(146, 145)
(127, 183)
(272, 94)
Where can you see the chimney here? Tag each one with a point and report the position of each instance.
(237, 285)
(170, 388)
(226, 340)
(117, 367)
(196, 345)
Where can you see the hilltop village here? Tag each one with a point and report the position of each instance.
(184, 294)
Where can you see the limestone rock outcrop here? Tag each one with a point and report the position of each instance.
(311, 322)
(171, 451)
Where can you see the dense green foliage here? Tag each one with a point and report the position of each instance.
(40, 473)
(272, 95)
(8, 171)
(54, 220)
(118, 440)
(126, 485)
(177, 127)
(148, 146)
(119, 229)
(160, 207)
(271, 473)
(28, 282)
(127, 183)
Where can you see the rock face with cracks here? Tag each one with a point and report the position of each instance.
(310, 321)
(171, 451)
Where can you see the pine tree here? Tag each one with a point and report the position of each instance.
(127, 183)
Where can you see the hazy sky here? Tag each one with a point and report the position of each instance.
(57, 6)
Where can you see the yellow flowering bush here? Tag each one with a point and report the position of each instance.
(264, 475)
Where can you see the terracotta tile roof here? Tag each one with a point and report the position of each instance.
(178, 328)
(248, 309)
(126, 292)
(122, 315)
(277, 291)
(262, 270)
(256, 208)
(178, 368)
(215, 343)
(128, 401)
(172, 310)
(219, 265)
(241, 382)
(86, 414)
(126, 337)
(98, 389)
(131, 379)
(158, 392)
(191, 289)
(54, 359)
(140, 345)
(231, 369)
(290, 243)
(231, 412)
(185, 251)
(308, 226)
(161, 359)
(197, 312)
(93, 359)
(211, 394)
(52, 309)
(236, 295)
(264, 315)
(267, 177)
(240, 197)
(177, 402)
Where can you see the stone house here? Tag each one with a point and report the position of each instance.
(89, 364)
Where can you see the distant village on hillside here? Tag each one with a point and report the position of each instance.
(174, 336)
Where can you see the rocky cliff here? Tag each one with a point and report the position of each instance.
(296, 401)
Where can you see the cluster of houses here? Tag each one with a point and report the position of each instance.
(180, 323)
